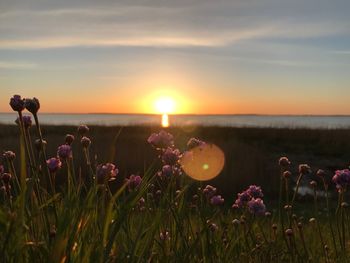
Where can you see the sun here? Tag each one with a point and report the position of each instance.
(165, 105)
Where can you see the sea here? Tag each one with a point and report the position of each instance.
(266, 121)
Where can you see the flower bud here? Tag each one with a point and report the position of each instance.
(32, 105)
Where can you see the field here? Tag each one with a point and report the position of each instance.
(119, 194)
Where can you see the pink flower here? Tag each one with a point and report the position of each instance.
(170, 156)
(9, 155)
(27, 121)
(161, 140)
(243, 199)
(341, 178)
(209, 191)
(134, 181)
(54, 164)
(255, 191)
(106, 172)
(256, 206)
(64, 152)
(217, 200)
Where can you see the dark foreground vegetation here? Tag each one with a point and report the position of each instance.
(112, 194)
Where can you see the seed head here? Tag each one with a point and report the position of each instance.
(289, 232)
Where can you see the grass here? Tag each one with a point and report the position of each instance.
(77, 212)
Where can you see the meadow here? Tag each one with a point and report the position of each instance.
(111, 194)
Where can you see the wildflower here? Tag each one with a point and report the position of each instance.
(64, 152)
(217, 200)
(9, 155)
(341, 178)
(287, 174)
(167, 171)
(209, 191)
(256, 206)
(85, 142)
(161, 140)
(255, 191)
(54, 164)
(304, 169)
(194, 142)
(267, 214)
(17, 103)
(171, 156)
(242, 199)
(321, 173)
(69, 139)
(312, 220)
(344, 205)
(274, 226)
(289, 232)
(27, 121)
(284, 162)
(134, 181)
(83, 129)
(32, 105)
(106, 172)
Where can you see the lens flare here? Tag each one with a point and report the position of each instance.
(204, 162)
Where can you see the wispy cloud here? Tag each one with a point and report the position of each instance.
(16, 65)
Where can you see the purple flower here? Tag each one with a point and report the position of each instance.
(85, 142)
(9, 155)
(64, 152)
(194, 142)
(255, 191)
(83, 129)
(27, 121)
(54, 164)
(217, 200)
(242, 199)
(341, 178)
(167, 171)
(209, 191)
(170, 156)
(257, 206)
(17, 103)
(134, 181)
(106, 172)
(32, 105)
(161, 140)
(69, 139)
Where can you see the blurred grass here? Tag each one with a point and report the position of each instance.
(251, 153)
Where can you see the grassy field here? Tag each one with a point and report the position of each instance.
(251, 153)
(118, 194)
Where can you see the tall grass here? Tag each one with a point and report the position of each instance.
(163, 217)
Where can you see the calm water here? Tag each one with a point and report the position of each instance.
(331, 122)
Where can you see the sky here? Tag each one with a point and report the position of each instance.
(209, 57)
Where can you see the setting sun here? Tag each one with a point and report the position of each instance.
(165, 105)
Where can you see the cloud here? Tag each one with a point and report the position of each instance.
(16, 65)
(164, 23)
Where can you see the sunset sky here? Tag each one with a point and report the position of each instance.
(216, 57)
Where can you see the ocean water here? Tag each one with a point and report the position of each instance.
(276, 121)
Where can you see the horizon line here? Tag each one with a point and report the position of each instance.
(190, 114)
